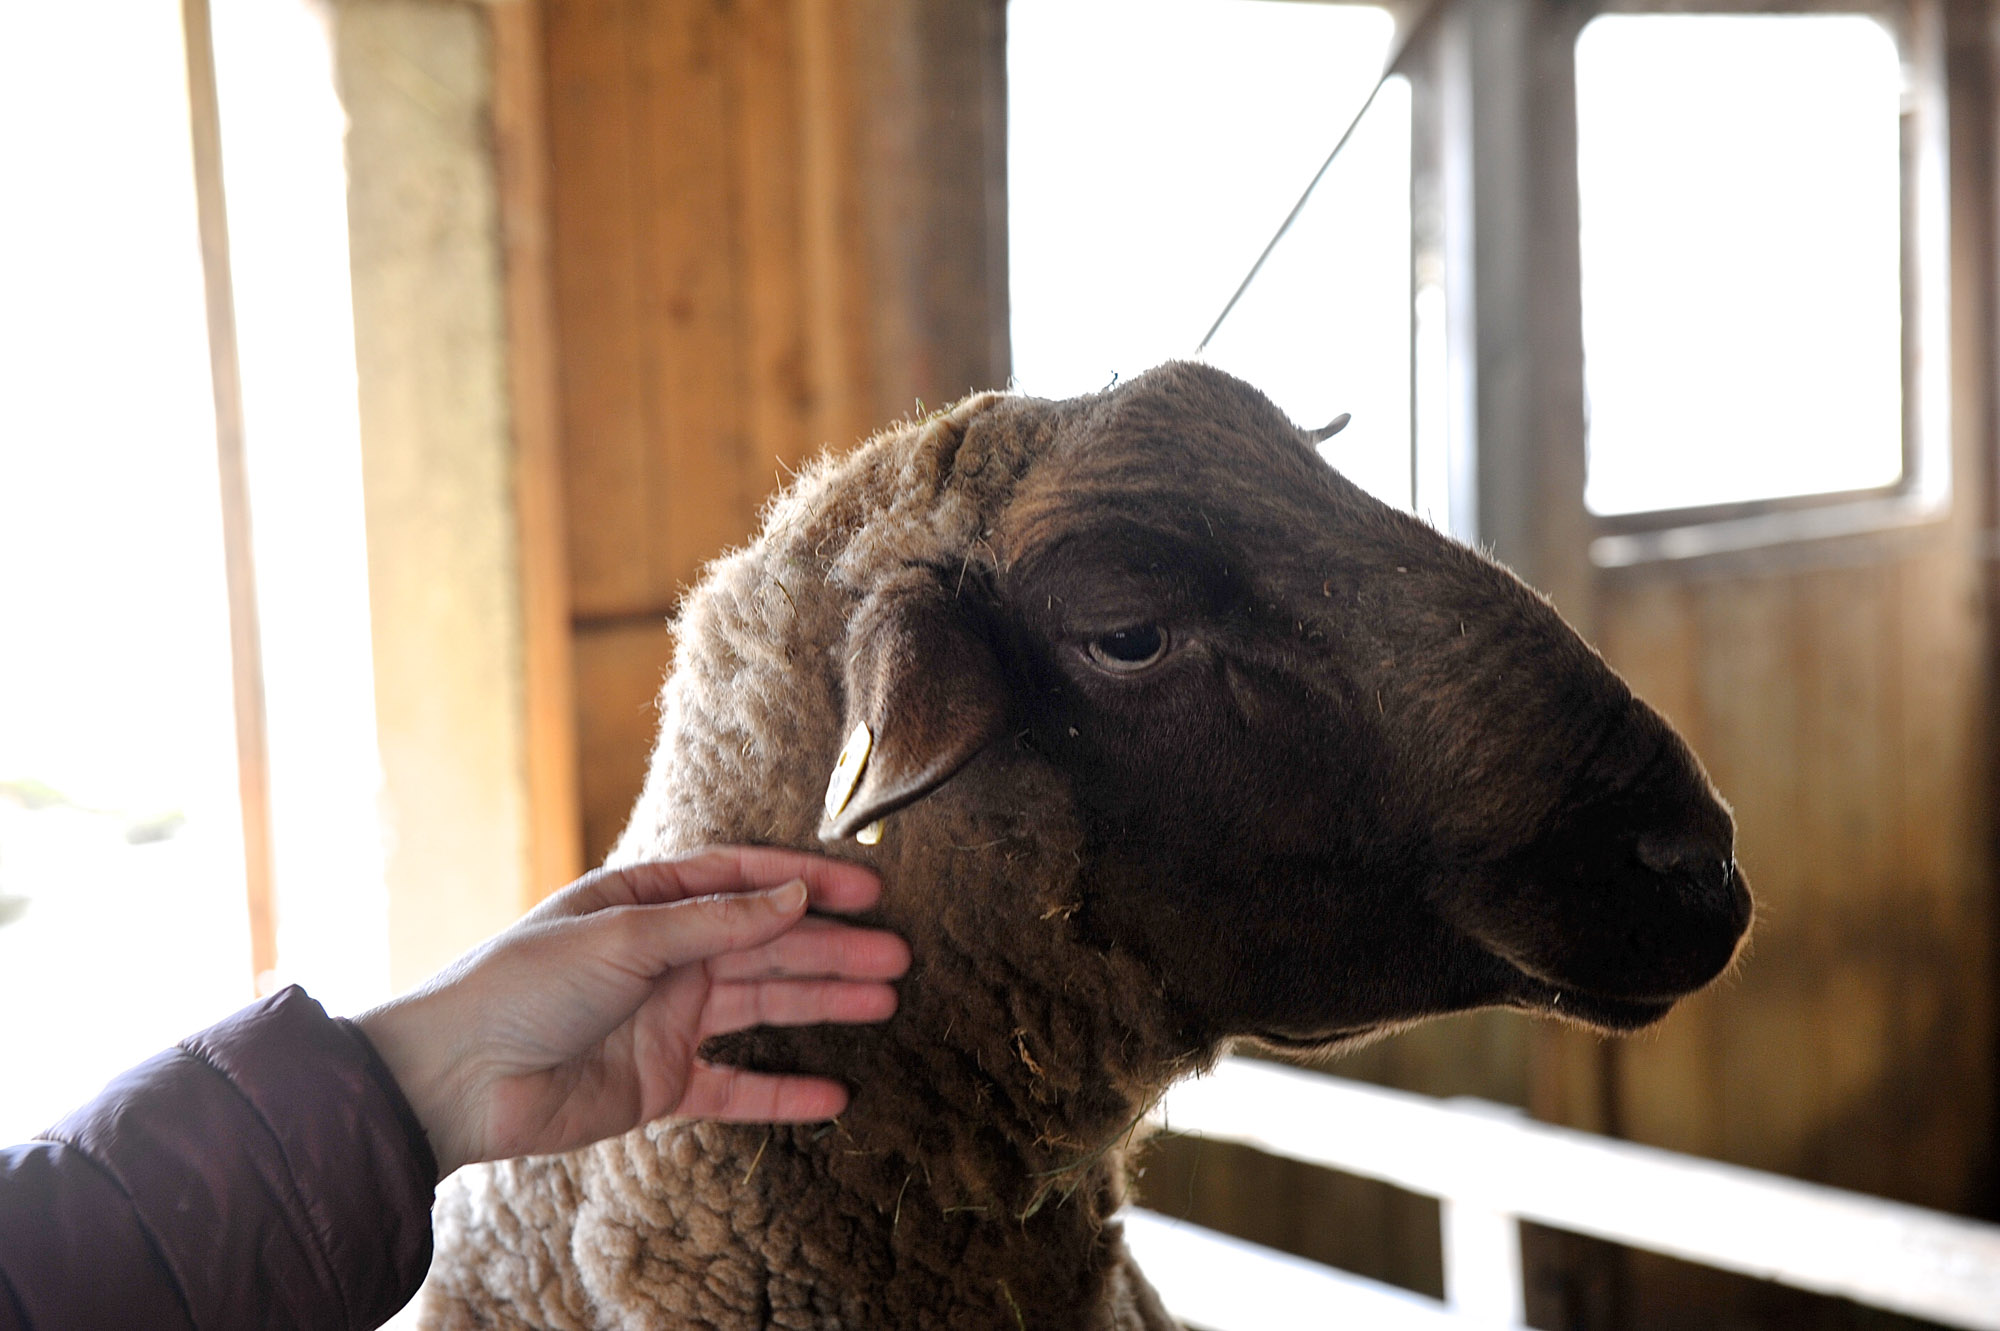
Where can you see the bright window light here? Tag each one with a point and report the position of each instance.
(121, 874)
(1740, 194)
(283, 131)
(1153, 148)
(123, 923)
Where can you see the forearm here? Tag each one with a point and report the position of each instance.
(265, 1173)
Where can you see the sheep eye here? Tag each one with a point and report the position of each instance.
(1130, 649)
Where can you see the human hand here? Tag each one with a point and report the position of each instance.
(581, 1020)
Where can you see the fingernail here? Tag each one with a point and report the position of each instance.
(790, 897)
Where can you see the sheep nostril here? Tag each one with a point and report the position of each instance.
(1693, 858)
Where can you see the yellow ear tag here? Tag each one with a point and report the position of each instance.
(847, 771)
(870, 834)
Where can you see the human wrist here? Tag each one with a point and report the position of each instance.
(399, 1030)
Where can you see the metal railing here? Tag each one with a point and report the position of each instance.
(1491, 1167)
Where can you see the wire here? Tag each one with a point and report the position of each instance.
(1389, 68)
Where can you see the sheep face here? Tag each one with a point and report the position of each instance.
(1334, 772)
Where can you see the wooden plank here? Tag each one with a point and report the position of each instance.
(1753, 716)
(520, 124)
(934, 154)
(1849, 706)
(1941, 1019)
(246, 652)
(1848, 789)
(619, 669)
(1948, 744)
(775, 371)
(594, 216)
(833, 244)
(886, 121)
(690, 271)
(1972, 53)
(1648, 634)
(956, 63)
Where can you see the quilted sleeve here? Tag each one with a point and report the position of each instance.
(266, 1172)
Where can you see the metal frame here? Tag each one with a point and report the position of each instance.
(1498, 392)
(1922, 495)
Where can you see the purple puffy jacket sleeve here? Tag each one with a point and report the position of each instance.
(265, 1173)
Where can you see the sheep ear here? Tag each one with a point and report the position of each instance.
(924, 694)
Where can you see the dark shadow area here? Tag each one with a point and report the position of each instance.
(1582, 1284)
(1355, 1224)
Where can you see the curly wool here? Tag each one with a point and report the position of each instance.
(978, 1168)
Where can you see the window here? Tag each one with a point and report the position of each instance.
(283, 138)
(121, 878)
(1743, 188)
(123, 916)
(1154, 146)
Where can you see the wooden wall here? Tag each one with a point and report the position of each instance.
(1843, 710)
(774, 225)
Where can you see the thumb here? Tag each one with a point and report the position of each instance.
(657, 938)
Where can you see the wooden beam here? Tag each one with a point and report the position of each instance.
(620, 665)
(520, 128)
(245, 641)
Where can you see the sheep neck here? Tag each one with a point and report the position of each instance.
(977, 1169)
(984, 1153)
(975, 1175)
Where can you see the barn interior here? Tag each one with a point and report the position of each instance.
(378, 374)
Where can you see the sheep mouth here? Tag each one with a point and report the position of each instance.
(1616, 1015)
(1538, 997)
(1332, 1041)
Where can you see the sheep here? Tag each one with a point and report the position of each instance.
(1163, 736)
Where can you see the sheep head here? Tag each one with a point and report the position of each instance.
(1162, 735)
(1330, 771)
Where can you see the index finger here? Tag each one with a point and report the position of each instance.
(831, 885)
